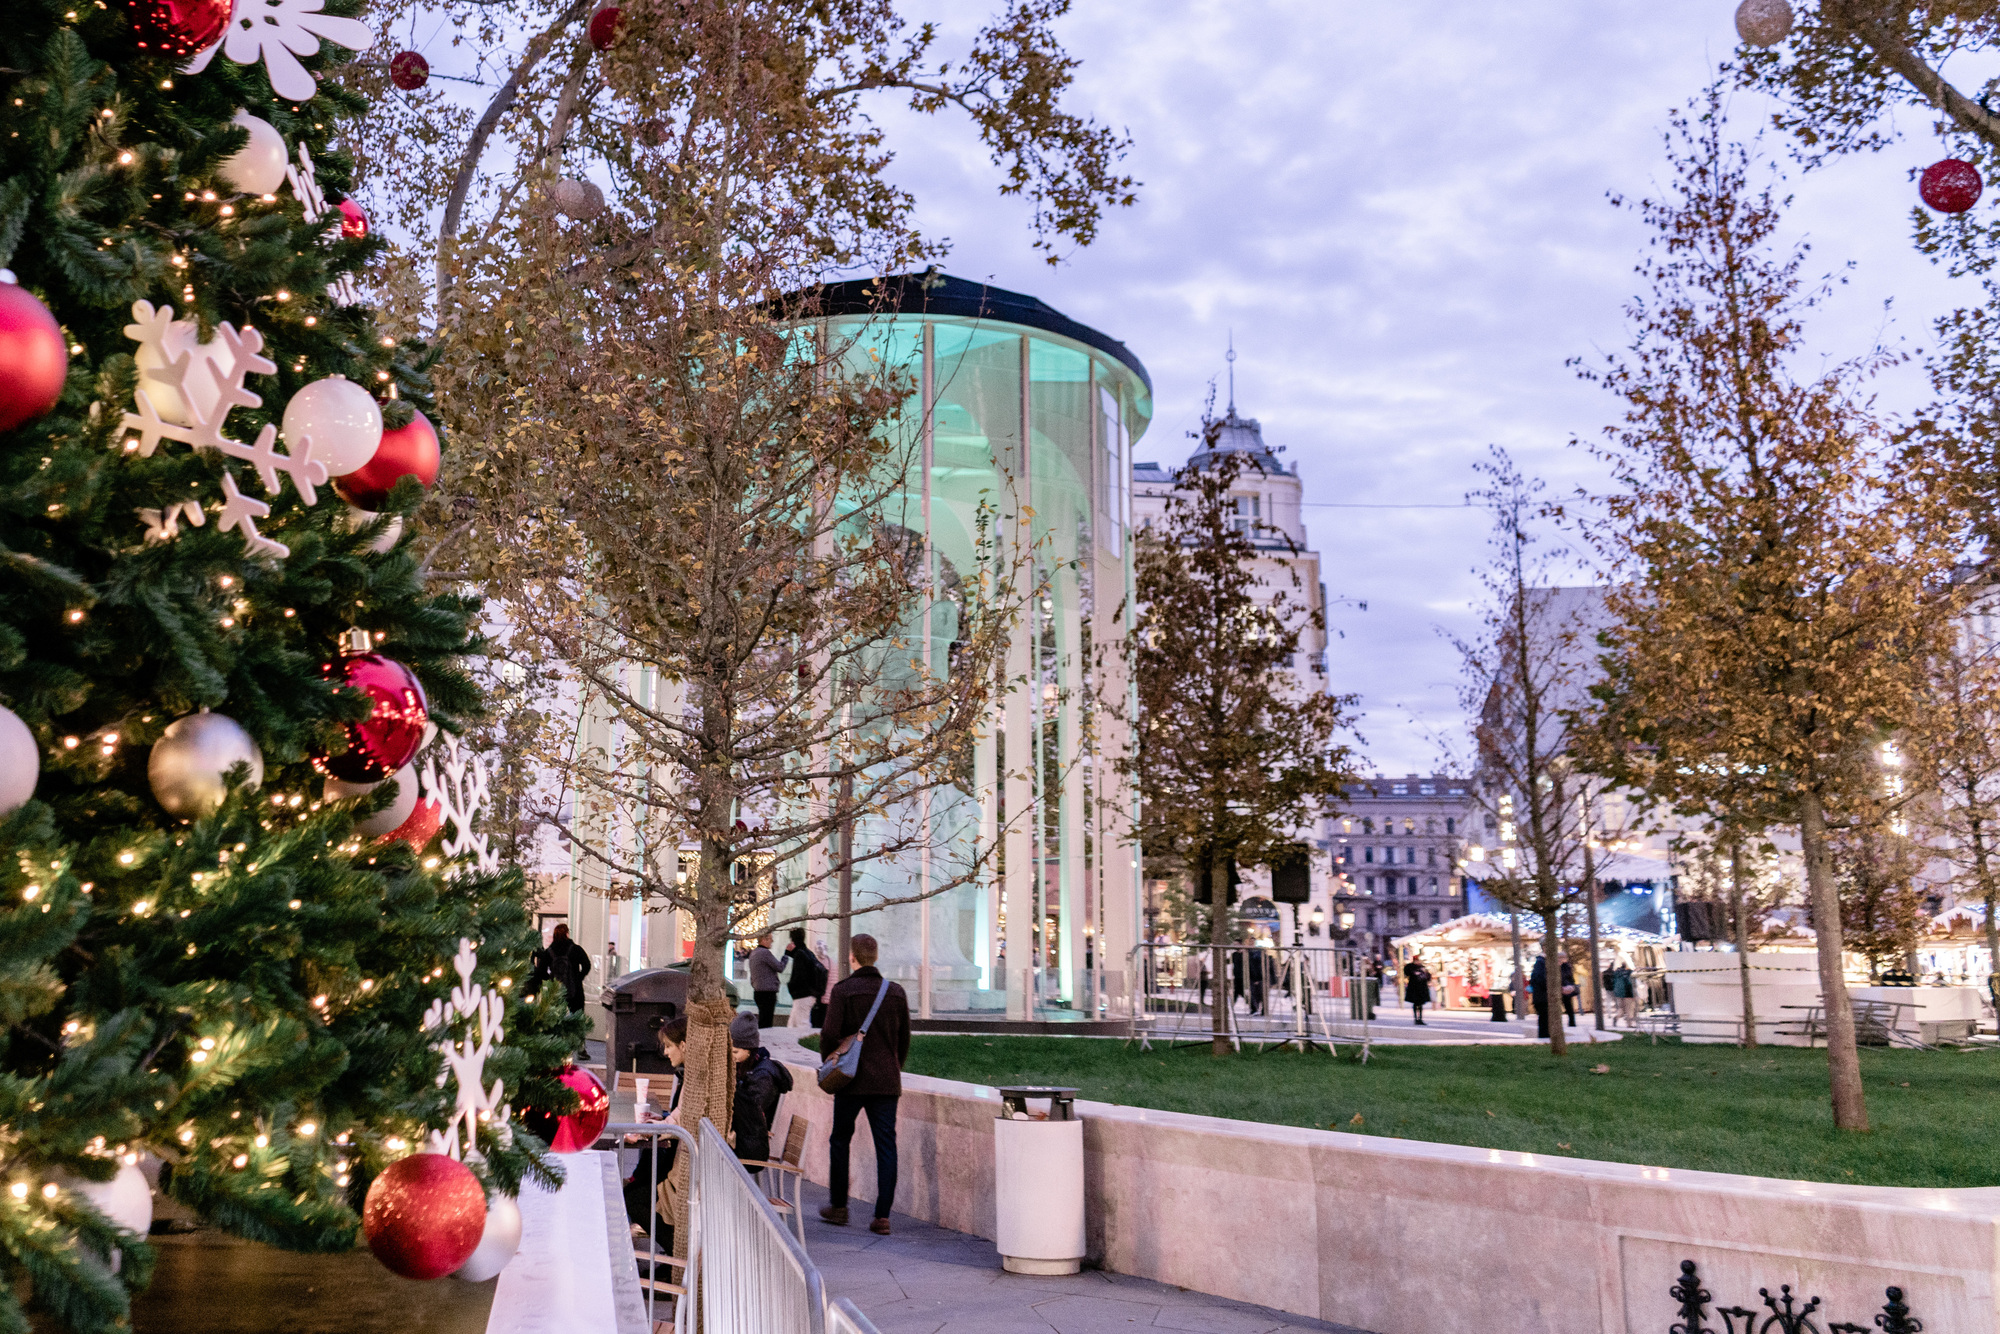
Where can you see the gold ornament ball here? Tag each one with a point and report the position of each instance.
(192, 756)
(1763, 22)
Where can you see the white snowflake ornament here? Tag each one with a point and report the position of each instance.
(468, 1024)
(206, 380)
(164, 525)
(278, 32)
(460, 788)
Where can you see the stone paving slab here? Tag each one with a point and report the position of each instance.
(924, 1279)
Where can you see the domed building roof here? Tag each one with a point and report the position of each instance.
(1239, 435)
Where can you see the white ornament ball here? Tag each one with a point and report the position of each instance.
(357, 519)
(398, 810)
(577, 199)
(497, 1243)
(343, 421)
(1763, 22)
(126, 1199)
(189, 760)
(257, 168)
(20, 762)
(181, 339)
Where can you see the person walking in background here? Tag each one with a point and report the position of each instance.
(1569, 992)
(877, 1085)
(563, 962)
(806, 982)
(1417, 985)
(764, 973)
(1624, 992)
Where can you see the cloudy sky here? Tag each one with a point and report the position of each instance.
(1400, 211)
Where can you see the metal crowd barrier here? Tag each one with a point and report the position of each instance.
(656, 1263)
(1301, 996)
(743, 1267)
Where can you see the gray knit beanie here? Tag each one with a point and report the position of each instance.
(743, 1032)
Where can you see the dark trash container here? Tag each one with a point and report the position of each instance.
(635, 1007)
(1499, 1000)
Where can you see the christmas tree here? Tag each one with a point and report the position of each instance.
(220, 929)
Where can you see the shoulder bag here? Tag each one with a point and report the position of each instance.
(838, 1070)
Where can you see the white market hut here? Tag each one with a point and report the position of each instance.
(1472, 956)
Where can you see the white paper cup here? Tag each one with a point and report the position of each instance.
(640, 1085)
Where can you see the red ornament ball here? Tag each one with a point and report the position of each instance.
(1950, 186)
(33, 360)
(353, 222)
(424, 1215)
(607, 25)
(408, 451)
(580, 1129)
(178, 28)
(426, 818)
(384, 741)
(409, 71)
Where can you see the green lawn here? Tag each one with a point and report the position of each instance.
(1936, 1115)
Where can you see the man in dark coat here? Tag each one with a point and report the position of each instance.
(566, 963)
(1417, 985)
(877, 1085)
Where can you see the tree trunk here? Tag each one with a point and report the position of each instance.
(1596, 958)
(1552, 980)
(1739, 909)
(846, 906)
(1218, 938)
(1843, 1061)
(1983, 867)
(1520, 968)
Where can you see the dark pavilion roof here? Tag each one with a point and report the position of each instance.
(936, 293)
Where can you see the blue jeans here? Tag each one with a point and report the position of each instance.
(847, 1109)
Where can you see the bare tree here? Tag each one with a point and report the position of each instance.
(1524, 675)
(1959, 760)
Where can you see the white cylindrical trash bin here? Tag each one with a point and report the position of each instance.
(1038, 1182)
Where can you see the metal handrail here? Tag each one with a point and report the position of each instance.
(844, 1317)
(653, 1130)
(754, 1276)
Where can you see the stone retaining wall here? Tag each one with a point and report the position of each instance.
(1404, 1237)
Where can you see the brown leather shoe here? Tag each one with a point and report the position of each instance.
(837, 1217)
(880, 1227)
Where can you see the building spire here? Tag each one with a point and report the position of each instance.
(1231, 358)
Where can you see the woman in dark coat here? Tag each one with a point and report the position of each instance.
(1417, 985)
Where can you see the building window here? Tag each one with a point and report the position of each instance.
(1434, 917)
(1347, 856)
(1399, 789)
(1409, 825)
(1347, 826)
(1367, 825)
(1410, 856)
(1434, 885)
(1371, 919)
(1431, 858)
(1492, 823)
(1450, 825)
(1427, 789)
(1371, 890)
(1368, 855)
(1248, 512)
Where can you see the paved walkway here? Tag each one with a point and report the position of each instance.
(924, 1279)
